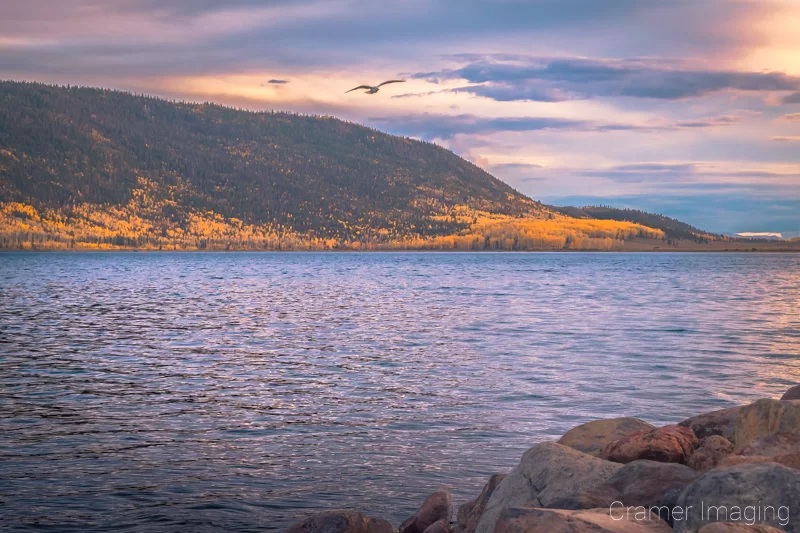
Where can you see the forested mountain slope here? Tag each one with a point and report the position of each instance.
(82, 167)
(673, 228)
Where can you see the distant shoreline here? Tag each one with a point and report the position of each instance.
(635, 245)
(791, 250)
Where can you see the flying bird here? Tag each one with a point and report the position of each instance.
(373, 89)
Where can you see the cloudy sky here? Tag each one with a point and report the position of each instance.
(689, 108)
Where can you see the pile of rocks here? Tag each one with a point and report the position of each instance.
(728, 471)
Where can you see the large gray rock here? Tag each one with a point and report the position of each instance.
(644, 483)
(470, 513)
(341, 522)
(593, 436)
(648, 482)
(712, 451)
(792, 394)
(763, 418)
(438, 506)
(719, 494)
(730, 527)
(721, 423)
(548, 472)
(531, 520)
(669, 444)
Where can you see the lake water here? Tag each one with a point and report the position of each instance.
(211, 392)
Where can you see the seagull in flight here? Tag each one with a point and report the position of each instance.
(372, 89)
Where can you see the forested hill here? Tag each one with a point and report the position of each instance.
(673, 228)
(83, 167)
(64, 146)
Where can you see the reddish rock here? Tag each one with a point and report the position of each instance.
(670, 444)
(341, 522)
(532, 520)
(721, 423)
(792, 394)
(440, 526)
(470, 513)
(711, 452)
(438, 506)
(593, 436)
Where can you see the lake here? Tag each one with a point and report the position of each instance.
(237, 391)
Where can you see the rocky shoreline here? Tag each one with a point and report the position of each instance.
(734, 470)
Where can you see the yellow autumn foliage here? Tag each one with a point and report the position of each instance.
(141, 225)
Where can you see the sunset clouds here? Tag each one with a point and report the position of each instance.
(688, 108)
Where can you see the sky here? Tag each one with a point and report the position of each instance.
(689, 108)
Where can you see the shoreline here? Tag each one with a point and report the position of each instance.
(732, 470)
(783, 247)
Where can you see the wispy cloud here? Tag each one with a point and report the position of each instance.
(433, 126)
(440, 126)
(543, 79)
(793, 98)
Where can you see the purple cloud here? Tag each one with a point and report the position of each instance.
(509, 78)
(439, 126)
(793, 98)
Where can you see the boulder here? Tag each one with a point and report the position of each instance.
(647, 482)
(711, 452)
(603, 496)
(759, 493)
(731, 527)
(593, 436)
(721, 423)
(775, 445)
(763, 418)
(470, 513)
(638, 483)
(733, 460)
(783, 448)
(670, 444)
(438, 506)
(547, 473)
(462, 516)
(440, 526)
(341, 522)
(792, 394)
(531, 520)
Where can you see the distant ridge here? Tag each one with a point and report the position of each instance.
(97, 168)
(673, 228)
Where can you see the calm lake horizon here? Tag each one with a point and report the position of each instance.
(206, 391)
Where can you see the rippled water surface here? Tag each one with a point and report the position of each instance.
(203, 392)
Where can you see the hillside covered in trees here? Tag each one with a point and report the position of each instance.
(672, 228)
(93, 168)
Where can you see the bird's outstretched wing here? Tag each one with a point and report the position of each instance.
(357, 88)
(391, 81)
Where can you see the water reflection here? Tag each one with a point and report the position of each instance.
(165, 392)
